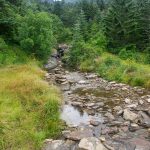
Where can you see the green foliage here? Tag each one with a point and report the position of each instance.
(113, 68)
(35, 34)
(3, 45)
(143, 23)
(120, 24)
(99, 40)
(126, 23)
(29, 110)
(12, 55)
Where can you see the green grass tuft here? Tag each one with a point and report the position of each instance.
(29, 108)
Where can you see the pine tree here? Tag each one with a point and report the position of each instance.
(143, 11)
(120, 23)
(83, 25)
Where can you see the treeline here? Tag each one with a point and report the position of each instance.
(119, 26)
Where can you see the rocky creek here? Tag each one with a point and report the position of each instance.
(100, 115)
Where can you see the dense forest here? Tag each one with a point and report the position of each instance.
(109, 37)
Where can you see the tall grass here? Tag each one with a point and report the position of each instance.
(29, 108)
(111, 67)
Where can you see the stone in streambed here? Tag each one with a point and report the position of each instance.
(129, 115)
(91, 143)
(79, 134)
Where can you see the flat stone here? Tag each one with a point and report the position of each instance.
(102, 138)
(145, 119)
(148, 100)
(120, 112)
(91, 143)
(132, 106)
(141, 102)
(127, 101)
(123, 144)
(94, 122)
(109, 116)
(141, 144)
(79, 134)
(133, 127)
(129, 115)
(91, 76)
(54, 145)
(82, 82)
(117, 108)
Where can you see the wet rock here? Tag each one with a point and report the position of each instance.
(102, 139)
(77, 104)
(91, 143)
(117, 108)
(133, 127)
(90, 112)
(116, 123)
(94, 122)
(109, 116)
(110, 130)
(141, 144)
(65, 86)
(79, 134)
(141, 102)
(132, 106)
(90, 104)
(97, 131)
(123, 144)
(54, 145)
(119, 113)
(91, 76)
(145, 119)
(128, 101)
(129, 115)
(101, 104)
(82, 82)
(148, 100)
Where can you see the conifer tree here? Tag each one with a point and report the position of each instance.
(143, 22)
(120, 23)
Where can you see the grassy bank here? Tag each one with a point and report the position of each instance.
(111, 67)
(29, 107)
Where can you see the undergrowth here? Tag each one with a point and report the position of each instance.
(29, 106)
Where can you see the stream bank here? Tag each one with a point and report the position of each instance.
(100, 115)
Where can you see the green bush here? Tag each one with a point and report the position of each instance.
(35, 34)
(12, 55)
(3, 45)
(98, 40)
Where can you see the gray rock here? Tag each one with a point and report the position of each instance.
(54, 145)
(91, 143)
(133, 127)
(128, 101)
(141, 144)
(132, 106)
(117, 108)
(141, 102)
(94, 122)
(79, 134)
(129, 115)
(145, 119)
(109, 116)
(148, 100)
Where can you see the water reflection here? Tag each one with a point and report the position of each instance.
(75, 116)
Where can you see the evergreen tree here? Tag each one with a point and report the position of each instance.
(143, 11)
(83, 25)
(120, 23)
